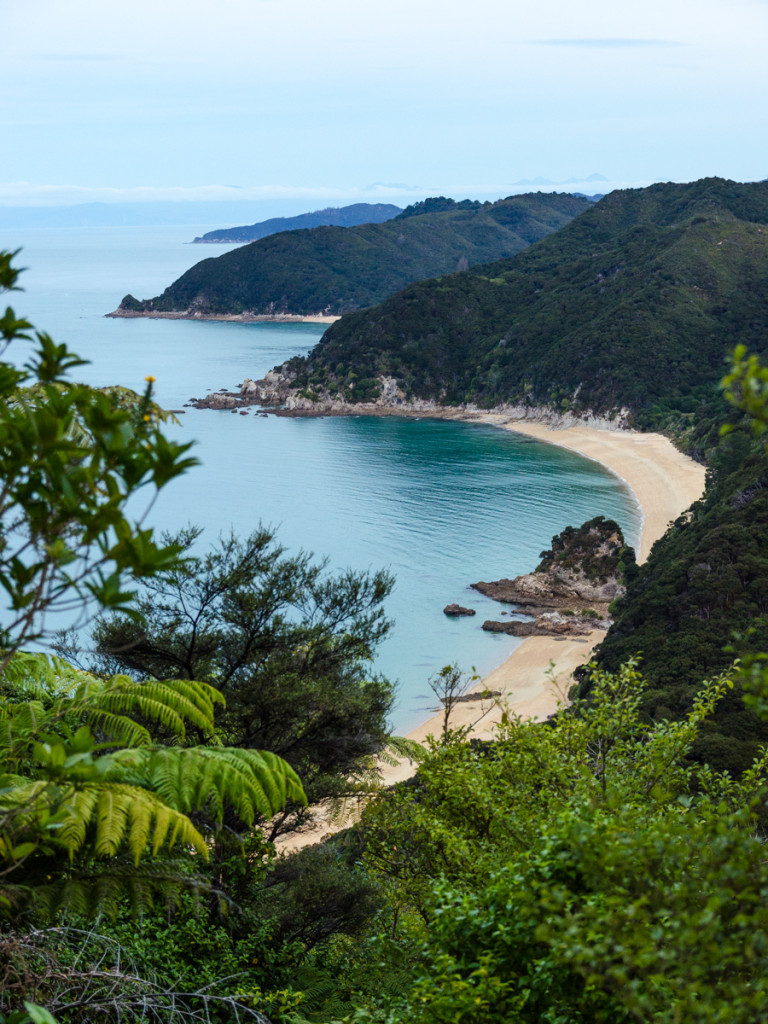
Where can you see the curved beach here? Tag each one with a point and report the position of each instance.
(535, 679)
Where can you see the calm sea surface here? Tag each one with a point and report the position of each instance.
(440, 504)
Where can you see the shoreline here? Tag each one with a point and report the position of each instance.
(534, 680)
(229, 318)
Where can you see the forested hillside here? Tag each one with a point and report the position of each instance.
(334, 270)
(342, 216)
(701, 600)
(633, 305)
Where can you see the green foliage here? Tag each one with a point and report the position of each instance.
(746, 388)
(578, 870)
(633, 305)
(337, 269)
(81, 781)
(70, 457)
(699, 600)
(289, 645)
(596, 550)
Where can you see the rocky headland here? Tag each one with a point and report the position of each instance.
(277, 392)
(571, 590)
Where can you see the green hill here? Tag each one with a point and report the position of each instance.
(632, 305)
(700, 600)
(334, 270)
(342, 216)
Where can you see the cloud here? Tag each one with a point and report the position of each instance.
(100, 58)
(605, 43)
(22, 193)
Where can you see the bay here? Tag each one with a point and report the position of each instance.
(440, 504)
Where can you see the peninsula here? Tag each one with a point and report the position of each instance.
(333, 270)
(340, 216)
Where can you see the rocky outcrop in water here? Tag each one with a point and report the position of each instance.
(570, 591)
(549, 624)
(457, 609)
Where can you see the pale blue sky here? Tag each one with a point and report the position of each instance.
(162, 99)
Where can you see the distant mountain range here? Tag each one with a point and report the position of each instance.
(634, 305)
(333, 270)
(344, 216)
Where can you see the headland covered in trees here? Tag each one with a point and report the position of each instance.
(339, 216)
(332, 270)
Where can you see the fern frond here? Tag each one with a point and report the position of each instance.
(104, 889)
(121, 730)
(398, 747)
(40, 676)
(172, 704)
(125, 815)
(251, 782)
(69, 693)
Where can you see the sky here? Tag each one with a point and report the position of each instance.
(382, 100)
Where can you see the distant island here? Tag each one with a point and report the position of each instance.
(334, 270)
(338, 216)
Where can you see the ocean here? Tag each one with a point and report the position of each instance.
(440, 504)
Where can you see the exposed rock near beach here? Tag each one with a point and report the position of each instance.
(457, 609)
(570, 591)
(549, 624)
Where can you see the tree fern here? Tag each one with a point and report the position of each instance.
(83, 781)
(251, 782)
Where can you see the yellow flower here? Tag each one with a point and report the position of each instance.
(150, 379)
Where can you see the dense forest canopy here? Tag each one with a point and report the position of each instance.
(335, 269)
(633, 306)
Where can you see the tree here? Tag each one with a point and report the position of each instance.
(578, 870)
(70, 458)
(92, 802)
(288, 645)
(84, 781)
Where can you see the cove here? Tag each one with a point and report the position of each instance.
(441, 504)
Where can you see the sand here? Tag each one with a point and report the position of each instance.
(664, 482)
(535, 679)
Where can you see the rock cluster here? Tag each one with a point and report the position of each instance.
(571, 589)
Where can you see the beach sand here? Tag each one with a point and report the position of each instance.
(535, 679)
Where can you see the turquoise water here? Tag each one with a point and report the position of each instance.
(440, 504)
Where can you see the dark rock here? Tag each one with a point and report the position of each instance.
(468, 698)
(456, 609)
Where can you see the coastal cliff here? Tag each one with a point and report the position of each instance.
(278, 392)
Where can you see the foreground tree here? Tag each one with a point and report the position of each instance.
(289, 645)
(70, 458)
(578, 871)
(93, 802)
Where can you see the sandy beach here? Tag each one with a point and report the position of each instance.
(535, 679)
